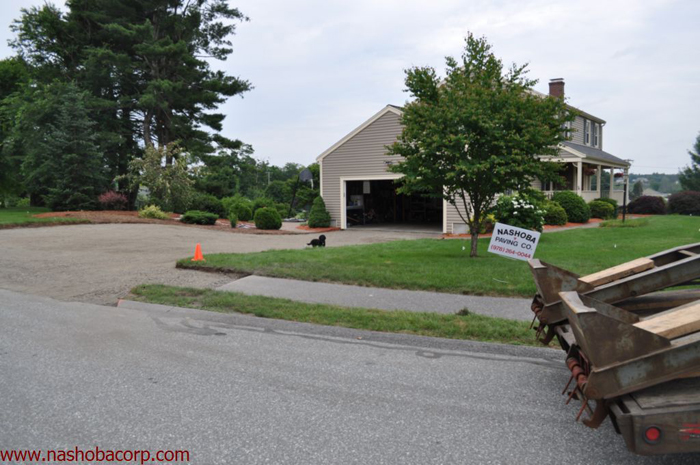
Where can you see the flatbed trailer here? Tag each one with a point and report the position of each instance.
(663, 419)
(632, 344)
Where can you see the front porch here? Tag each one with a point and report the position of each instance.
(590, 181)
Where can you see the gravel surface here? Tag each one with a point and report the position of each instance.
(100, 263)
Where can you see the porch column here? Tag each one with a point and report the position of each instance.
(579, 177)
(612, 181)
(597, 180)
(627, 183)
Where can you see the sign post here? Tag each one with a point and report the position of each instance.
(512, 242)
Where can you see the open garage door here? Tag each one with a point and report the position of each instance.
(376, 204)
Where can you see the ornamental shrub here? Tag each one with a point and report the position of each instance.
(267, 218)
(111, 200)
(262, 202)
(154, 212)
(519, 212)
(612, 202)
(199, 217)
(240, 205)
(319, 216)
(685, 203)
(207, 203)
(647, 204)
(554, 214)
(233, 219)
(23, 202)
(602, 210)
(576, 208)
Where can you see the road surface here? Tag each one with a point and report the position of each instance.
(235, 389)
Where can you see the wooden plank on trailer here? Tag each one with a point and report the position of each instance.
(673, 324)
(618, 272)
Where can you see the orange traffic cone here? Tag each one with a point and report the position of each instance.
(198, 257)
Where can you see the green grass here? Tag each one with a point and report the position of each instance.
(469, 326)
(22, 216)
(635, 223)
(443, 265)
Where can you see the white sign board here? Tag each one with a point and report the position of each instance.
(513, 242)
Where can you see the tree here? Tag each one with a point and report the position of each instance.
(637, 190)
(13, 77)
(319, 216)
(478, 133)
(689, 177)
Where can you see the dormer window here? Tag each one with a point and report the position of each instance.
(586, 132)
(596, 130)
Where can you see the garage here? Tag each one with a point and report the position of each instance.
(377, 204)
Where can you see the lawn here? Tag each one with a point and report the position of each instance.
(10, 217)
(445, 266)
(469, 326)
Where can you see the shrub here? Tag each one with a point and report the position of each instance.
(233, 219)
(199, 217)
(576, 208)
(685, 203)
(241, 206)
(519, 212)
(262, 202)
(152, 211)
(207, 203)
(647, 204)
(319, 216)
(602, 210)
(23, 202)
(267, 218)
(283, 209)
(554, 214)
(111, 200)
(612, 202)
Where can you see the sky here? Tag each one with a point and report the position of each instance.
(320, 68)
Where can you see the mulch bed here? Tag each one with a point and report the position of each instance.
(131, 217)
(304, 227)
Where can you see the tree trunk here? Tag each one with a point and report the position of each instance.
(475, 241)
(147, 140)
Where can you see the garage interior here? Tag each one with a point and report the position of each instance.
(376, 204)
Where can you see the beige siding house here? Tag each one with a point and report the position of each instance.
(359, 189)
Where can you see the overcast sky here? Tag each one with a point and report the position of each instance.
(320, 68)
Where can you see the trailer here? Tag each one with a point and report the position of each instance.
(632, 345)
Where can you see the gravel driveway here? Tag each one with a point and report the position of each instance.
(100, 263)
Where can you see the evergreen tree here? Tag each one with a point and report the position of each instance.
(71, 150)
(689, 177)
(637, 190)
(319, 216)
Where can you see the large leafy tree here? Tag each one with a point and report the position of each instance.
(689, 177)
(14, 75)
(476, 133)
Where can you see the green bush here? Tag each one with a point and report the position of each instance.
(602, 210)
(23, 202)
(647, 204)
(576, 208)
(242, 206)
(152, 211)
(199, 217)
(233, 219)
(283, 209)
(319, 216)
(207, 203)
(267, 218)
(554, 214)
(262, 202)
(685, 203)
(612, 202)
(519, 212)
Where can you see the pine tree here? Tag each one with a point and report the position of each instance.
(689, 177)
(71, 149)
(319, 216)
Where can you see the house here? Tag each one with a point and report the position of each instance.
(359, 190)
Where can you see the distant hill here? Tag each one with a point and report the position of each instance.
(663, 183)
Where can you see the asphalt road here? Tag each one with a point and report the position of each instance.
(234, 389)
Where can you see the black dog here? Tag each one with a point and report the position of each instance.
(320, 242)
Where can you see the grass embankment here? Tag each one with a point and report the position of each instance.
(17, 216)
(444, 265)
(469, 326)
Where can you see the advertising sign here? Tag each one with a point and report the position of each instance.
(513, 242)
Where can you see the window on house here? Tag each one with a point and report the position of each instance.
(586, 132)
(596, 130)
